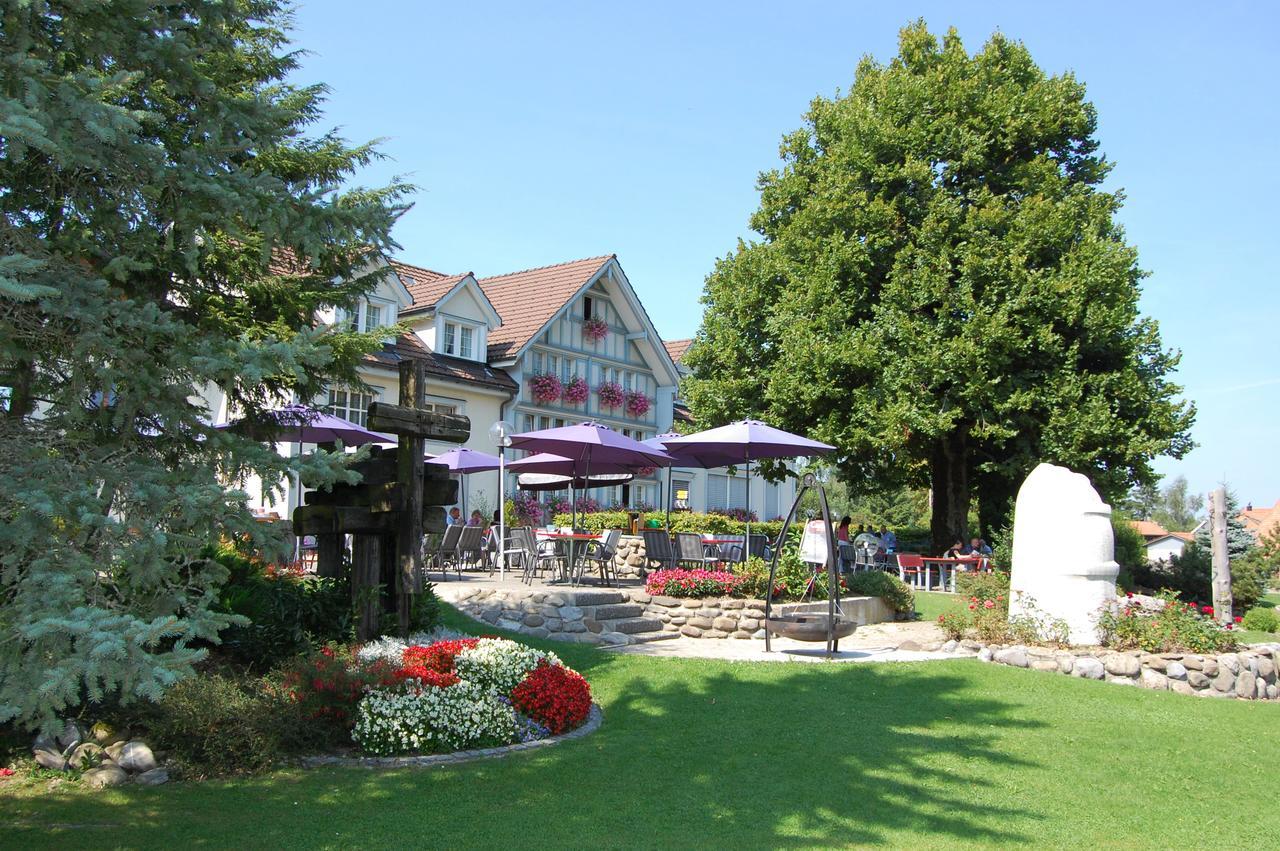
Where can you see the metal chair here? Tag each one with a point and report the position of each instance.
(690, 550)
(524, 545)
(601, 552)
(469, 547)
(657, 547)
(447, 552)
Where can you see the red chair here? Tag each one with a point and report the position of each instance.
(912, 565)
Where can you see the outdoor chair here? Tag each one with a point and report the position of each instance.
(690, 551)
(912, 570)
(601, 553)
(532, 555)
(469, 547)
(731, 549)
(446, 554)
(657, 547)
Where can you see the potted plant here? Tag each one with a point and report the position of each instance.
(610, 394)
(546, 387)
(595, 329)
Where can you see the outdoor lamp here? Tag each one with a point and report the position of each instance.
(500, 437)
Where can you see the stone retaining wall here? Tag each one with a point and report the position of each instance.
(732, 618)
(1248, 674)
(630, 559)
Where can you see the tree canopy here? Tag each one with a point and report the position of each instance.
(941, 289)
(167, 226)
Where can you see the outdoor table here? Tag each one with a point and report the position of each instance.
(955, 564)
(572, 538)
(720, 542)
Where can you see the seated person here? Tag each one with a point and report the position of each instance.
(889, 539)
(477, 519)
(455, 516)
(978, 547)
(956, 550)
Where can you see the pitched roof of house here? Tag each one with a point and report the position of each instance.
(426, 286)
(528, 300)
(1261, 521)
(1149, 528)
(409, 347)
(677, 348)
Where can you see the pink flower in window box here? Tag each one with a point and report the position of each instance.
(546, 387)
(610, 394)
(595, 329)
(637, 404)
(576, 391)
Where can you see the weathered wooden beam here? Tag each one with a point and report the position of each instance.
(358, 519)
(329, 555)
(413, 396)
(366, 570)
(385, 497)
(404, 420)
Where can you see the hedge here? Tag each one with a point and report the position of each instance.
(681, 521)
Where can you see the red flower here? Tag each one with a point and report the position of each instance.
(553, 696)
(1238, 619)
(972, 606)
(1129, 594)
(1208, 610)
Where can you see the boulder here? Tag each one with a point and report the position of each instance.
(691, 631)
(1153, 679)
(1044, 665)
(1192, 663)
(534, 620)
(702, 623)
(950, 646)
(1210, 667)
(1066, 661)
(1015, 656)
(86, 754)
(1197, 679)
(1231, 662)
(1176, 671)
(984, 655)
(50, 759)
(70, 736)
(135, 757)
(1181, 687)
(154, 777)
(570, 613)
(1266, 669)
(1088, 667)
(725, 624)
(104, 734)
(1224, 682)
(107, 774)
(1121, 665)
(1246, 685)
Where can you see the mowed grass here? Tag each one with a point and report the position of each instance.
(697, 753)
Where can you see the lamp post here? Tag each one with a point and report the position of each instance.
(499, 436)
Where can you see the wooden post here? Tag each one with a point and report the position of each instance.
(1221, 561)
(329, 555)
(413, 394)
(365, 575)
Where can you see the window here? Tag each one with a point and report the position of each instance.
(372, 316)
(440, 408)
(460, 340)
(717, 492)
(680, 488)
(351, 406)
(586, 307)
(737, 492)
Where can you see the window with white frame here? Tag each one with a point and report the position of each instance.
(717, 492)
(352, 406)
(366, 316)
(737, 492)
(372, 316)
(460, 340)
(440, 407)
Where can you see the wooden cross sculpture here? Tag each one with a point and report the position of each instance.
(399, 499)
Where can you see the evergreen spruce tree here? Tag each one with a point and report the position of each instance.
(166, 225)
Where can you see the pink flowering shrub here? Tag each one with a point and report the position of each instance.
(528, 509)
(610, 394)
(576, 391)
(637, 404)
(693, 583)
(546, 387)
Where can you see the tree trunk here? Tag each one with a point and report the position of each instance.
(1221, 585)
(995, 503)
(949, 480)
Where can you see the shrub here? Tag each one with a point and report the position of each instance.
(554, 697)
(1191, 576)
(1261, 620)
(984, 585)
(328, 684)
(877, 583)
(288, 614)
(953, 624)
(681, 521)
(1171, 626)
(212, 725)
(693, 583)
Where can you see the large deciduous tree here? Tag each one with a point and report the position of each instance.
(942, 290)
(167, 225)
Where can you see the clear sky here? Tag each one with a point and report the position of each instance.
(546, 132)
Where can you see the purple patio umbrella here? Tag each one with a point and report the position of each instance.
(570, 473)
(746, 441)
(689, 456)
(591, 447)
(464, 462)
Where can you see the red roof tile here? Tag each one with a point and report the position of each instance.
(528, 300)
(409, 347)
(677, 348)
(426, 286)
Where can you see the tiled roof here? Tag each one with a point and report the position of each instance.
(528, 300)
(426, 286)
(677, 348)
(409, 347)
(1149, 528)
(1261, 521)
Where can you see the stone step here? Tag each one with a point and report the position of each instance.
(631, 626)
(646, 637)
(618, 611)
(598, 598)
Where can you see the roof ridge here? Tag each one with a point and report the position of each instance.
(601, 258)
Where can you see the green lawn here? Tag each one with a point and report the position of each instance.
(737, 755)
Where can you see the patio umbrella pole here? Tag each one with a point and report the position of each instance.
(669, 496)
(746, 541)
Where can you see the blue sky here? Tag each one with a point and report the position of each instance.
(540, 133)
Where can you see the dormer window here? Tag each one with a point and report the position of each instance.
(460, 341)
(372, 316)
(367, 316)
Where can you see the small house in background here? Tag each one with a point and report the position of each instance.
(1260, 522)
(1161, 543)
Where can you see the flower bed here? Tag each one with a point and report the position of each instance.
(455, 693)
(693, 583)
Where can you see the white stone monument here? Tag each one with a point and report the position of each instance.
(1063, 551)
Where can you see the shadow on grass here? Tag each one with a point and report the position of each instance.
(691, 752)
